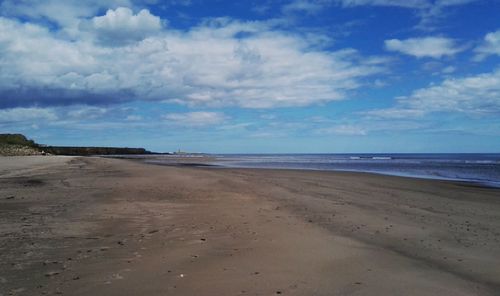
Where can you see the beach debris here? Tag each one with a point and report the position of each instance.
(75, 278)
(16, 291)
(10, 197)
(47, 262)
(181, 275)
(153, 231)
(203, 239)
(52, 273)
(117, 276)
(279, 292)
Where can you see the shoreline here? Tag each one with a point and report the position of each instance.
(103, 226)
(208, 162)
(480, 169)
(188, 162)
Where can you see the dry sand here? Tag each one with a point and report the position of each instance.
(93, 226)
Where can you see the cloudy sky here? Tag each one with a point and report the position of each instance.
(253, 76)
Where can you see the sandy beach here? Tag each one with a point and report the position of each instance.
(99, 226)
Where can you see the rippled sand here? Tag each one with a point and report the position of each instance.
(93, 226)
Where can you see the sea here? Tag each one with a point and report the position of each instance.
(481, 168)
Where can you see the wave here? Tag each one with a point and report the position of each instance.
(472, 167)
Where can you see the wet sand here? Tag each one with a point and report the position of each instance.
(95, 226)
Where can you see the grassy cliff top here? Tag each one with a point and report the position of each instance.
(16, 139)
(18, 144)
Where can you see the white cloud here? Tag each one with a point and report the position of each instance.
(373, 125)
(268, 134)
(211, 65)
(449, 70)
(133, 118)
(438, 10)
(86, 113)
(121, 26)
(429, 11)
(490, 46)
(306, 6)
(473, 95)
(73, 117)
(345, 130)
(434, 47)
(66, 14)
(268, 116)
(395, 113)
(397, 3)
(427, 5)
(195, 119)
(438, 68)
(27, 114)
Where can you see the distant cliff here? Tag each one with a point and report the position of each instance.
(18, 144)
(85, 151)
(16, 139)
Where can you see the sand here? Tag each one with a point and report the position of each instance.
(94, 226)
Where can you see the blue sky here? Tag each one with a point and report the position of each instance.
(290, 76)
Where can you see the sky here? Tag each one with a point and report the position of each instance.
(283, 76)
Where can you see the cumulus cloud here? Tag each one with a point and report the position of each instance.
(220, 62)
(65, 14)
(433, 47)
(27, 114)
(39, 68)
(195, 119)
(490, 46)
(473, 95)
(122, 26)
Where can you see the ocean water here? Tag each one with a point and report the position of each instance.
(481, 168)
